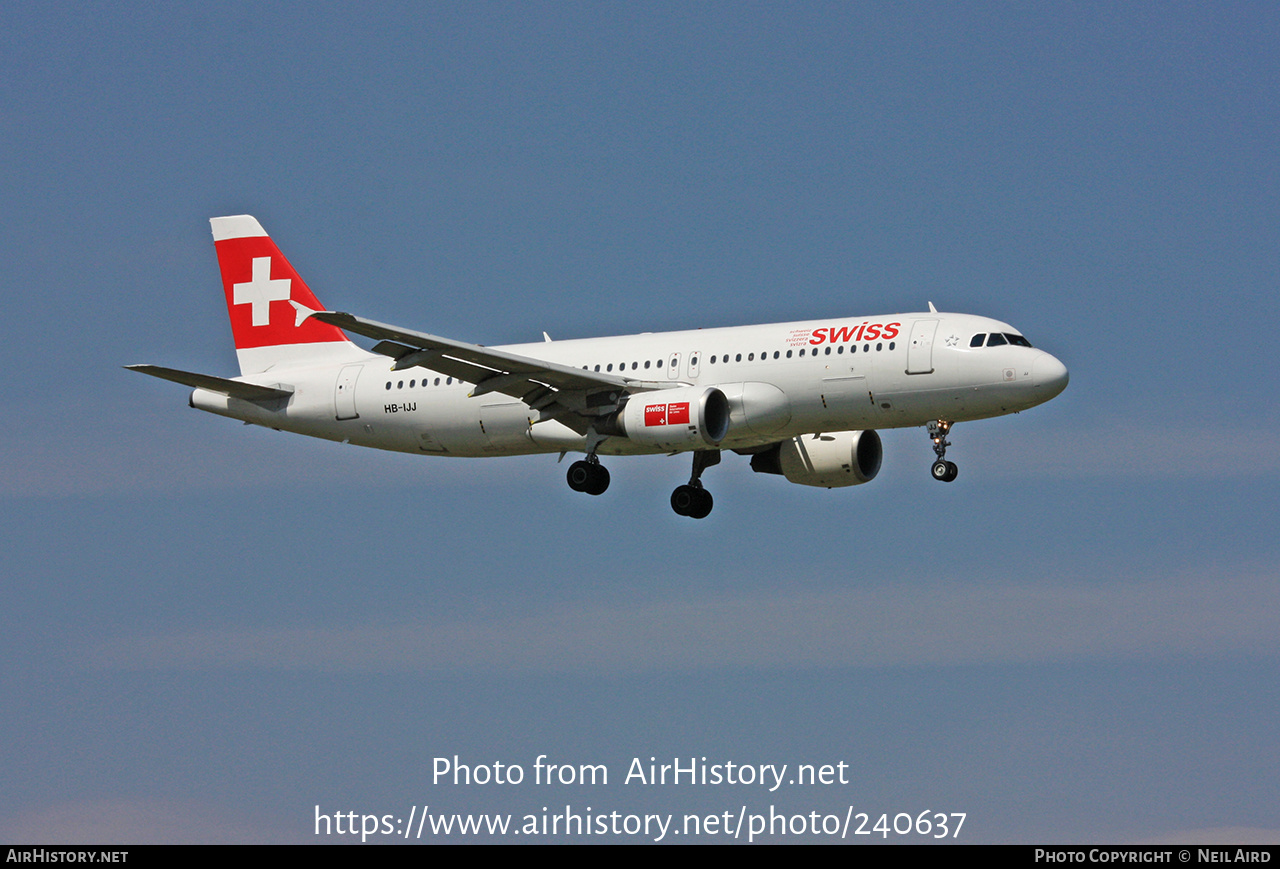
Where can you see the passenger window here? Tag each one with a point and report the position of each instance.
(788, 354)
(840, 349)
(879, 346)
(388, 384)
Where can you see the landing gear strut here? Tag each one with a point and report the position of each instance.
(588, 475)
(942, 469)
(692, 500)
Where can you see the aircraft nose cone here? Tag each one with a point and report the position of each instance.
(1049, 375)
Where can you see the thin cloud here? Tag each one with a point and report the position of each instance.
(1016, 621)
(1124, 451)
(1239, 836)
(131, 822)
(137, 450)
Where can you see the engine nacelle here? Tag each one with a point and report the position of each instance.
(691, 417)
(830, 460)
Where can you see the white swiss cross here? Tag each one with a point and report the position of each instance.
(261, 291)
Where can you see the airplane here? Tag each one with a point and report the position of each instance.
(802, 400)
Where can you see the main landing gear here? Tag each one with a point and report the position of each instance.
(589, 475)
(942, 469)
(692, 500)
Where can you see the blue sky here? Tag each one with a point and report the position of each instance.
(210, 629)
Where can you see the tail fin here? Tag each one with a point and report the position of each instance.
(268, 303)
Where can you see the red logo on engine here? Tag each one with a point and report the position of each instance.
(666, 414)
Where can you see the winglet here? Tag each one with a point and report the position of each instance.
(303, 313)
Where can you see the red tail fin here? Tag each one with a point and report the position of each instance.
(266, 299)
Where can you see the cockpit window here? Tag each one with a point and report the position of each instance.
(996, 340)
(1017, 340)
(977, 340)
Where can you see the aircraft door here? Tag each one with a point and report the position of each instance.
(693, 364)
(344, 393)
(920, 351)
(673, 367)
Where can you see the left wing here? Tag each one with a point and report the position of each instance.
(552, 389)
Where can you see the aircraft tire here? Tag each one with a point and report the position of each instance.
(702, 504)
(683, 499)
(940, 470)
(952, 472)
(579, 476)
(598, 481)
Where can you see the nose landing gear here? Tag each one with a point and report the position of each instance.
(942, 469)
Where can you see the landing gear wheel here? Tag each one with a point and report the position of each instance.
(578, 476)
(691, 501)
(599, 480)
(589, 477)
(682, 499)
(702, 505)
(944, 471)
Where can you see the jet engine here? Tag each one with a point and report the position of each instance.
(690, 417)
(829, 460)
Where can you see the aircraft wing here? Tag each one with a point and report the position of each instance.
(554, 389)
(220, 385)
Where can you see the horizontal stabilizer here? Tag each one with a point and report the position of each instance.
(220, 385)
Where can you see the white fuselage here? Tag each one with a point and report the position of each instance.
(782, 380)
